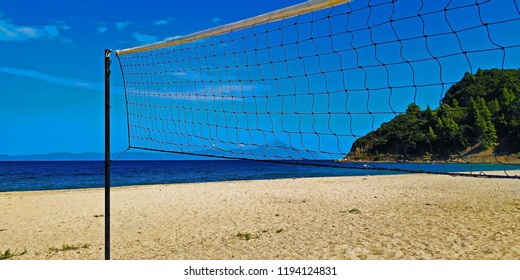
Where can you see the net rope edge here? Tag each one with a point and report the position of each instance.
(288, 12)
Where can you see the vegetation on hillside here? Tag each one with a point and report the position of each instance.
(479, 115)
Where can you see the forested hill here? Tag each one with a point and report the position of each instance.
(478, 120)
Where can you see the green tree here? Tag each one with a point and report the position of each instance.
(413, 110)
(489, 139)
(494, 107)
(484, 126)
(507, 97)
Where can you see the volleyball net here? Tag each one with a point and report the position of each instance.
(393, 85)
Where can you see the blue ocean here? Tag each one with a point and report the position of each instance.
(52, 175)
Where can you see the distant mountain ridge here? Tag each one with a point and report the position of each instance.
(130, 155)
(277, 150)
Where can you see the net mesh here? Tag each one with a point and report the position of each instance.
(308, 89)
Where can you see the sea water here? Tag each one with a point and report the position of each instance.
(52, 175)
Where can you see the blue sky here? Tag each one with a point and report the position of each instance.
(51, 71)
(51, 63)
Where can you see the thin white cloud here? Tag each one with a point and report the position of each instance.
(121, 25)
(196, 95)
(13, 32)
(101, 27)
(144, 38)
(53, 79)
(216, 20)
(233, 91)
(164, 21)
(161, 22)
(63, 25)
(52, 31)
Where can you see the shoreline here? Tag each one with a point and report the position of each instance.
(362, 217)
(452, 161)
(512, 174)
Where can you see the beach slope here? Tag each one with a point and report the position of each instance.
(376, 217)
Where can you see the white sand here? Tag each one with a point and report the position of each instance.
(401, 217)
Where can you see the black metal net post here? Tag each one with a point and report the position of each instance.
(107, 154)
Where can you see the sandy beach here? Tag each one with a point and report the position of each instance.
(376, 217)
